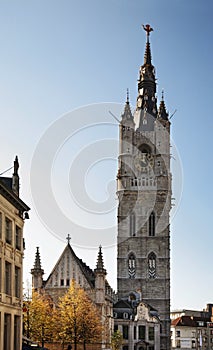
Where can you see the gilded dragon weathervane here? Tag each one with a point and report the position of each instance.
(148, 29)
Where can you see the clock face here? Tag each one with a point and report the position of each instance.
(143, 161)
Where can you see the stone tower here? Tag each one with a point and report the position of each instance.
(144, 196)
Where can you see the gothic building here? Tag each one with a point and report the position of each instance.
(13, 212)
(144, 195)
(69, 267)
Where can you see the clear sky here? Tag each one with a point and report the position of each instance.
(58, 56)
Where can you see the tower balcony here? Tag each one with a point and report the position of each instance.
(135, 184)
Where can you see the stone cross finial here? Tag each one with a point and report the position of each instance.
(68, 238)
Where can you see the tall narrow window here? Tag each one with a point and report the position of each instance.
(152, 224)
(132, 224)
(151, 333)
(8, 230)
(7, 331)
(17, 320)
(142, 332)
(152, 265)
(125, 332)
(7, 278)
(17, 282)
(131, 266)
(18, 238)
(135, 332)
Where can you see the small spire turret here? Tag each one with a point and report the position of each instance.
(127, 117)
(162, 113)
(37, 272)
(37, 263)
(100, 263)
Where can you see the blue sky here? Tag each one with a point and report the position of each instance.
(57, 56)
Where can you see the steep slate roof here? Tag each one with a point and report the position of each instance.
(7, 192)
(122, 304)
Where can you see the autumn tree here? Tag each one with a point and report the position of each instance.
(37, 318)
(78, 318)
(116, 340)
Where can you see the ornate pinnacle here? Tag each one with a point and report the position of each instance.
(100, 263)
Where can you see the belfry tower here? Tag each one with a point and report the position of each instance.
(144, 196)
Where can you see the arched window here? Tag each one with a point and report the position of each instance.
(152, 224)
(152, 265)
(132, 224)
(144, 148)
(131, 266)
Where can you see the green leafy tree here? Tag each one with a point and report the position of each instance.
(116, 340)
(37, 318)
(77, 318)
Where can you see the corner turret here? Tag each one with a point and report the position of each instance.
(100, 277)
(100, 264)
(127, 117)
(162, 113)
(37, 272)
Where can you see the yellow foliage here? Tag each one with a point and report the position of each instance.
(77, 318)
(37, 315)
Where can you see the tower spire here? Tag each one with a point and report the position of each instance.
(146, 101)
